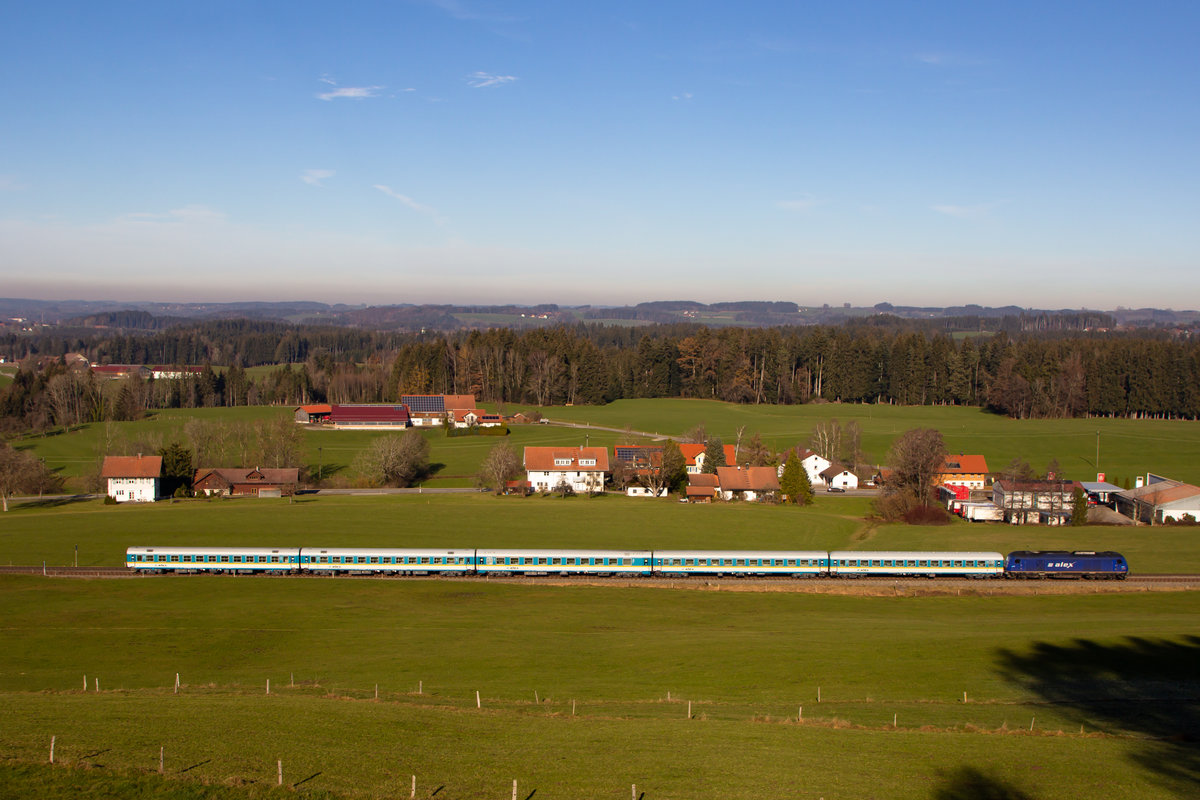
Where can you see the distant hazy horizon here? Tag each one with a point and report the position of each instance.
(493, 151)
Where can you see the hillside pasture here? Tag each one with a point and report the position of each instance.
(1127, 447)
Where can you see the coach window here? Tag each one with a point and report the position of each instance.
(958, 563)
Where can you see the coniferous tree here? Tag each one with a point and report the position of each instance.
(1079, 508)
(714, 456)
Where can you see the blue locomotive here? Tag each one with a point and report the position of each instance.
(1063, 564)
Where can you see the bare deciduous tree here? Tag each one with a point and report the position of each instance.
(499, 466)
(395, 459)
(23, 472)
(915, 459)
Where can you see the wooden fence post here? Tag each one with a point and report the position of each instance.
(477, 703)
(279, 766)
(52, 740)
(161, 759)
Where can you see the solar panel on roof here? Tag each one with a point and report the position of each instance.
(425, 403)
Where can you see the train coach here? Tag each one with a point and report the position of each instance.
(910, 564)
(386, 561)
(563, 562)
(1062, 564)
(213, 559)
(800, 563)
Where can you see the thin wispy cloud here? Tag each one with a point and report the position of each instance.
(186, 215)
(799, 205)
(317, 177)
(683, 98)
(326, 79)
(407, 201)
(352, 92)
(483, 80)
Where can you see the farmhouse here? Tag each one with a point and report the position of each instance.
(582, 468)
(693, 456)
(747, 483)
(428, 410)
(1035, 502)
(966, 470)
(837, 476)
(702, 488)
(132, 478)
(814, 465)
(246, 482)
(474, 417)
(355, 416)
(116, 371)
(1160, 500)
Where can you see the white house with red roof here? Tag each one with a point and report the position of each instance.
(747, 483)
(837, 476)
(581, 468)
(693, 456)
(132, 479)
(814, 465)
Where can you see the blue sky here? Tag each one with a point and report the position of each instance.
(1045, 154)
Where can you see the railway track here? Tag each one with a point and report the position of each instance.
(1134, 581)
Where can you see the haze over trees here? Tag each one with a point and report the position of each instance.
(1039, 373)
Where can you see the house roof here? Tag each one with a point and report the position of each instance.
(1037, 486)
(265, 476)
(542, 459)
(350, 414)
(835, 469)
(131, 467)
(692, 450)
(426, 404)
(964, 464)
(704, 480)
(317, 408)
(1162, 492)
(754, 479)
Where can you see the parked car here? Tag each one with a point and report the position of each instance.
(839, 489)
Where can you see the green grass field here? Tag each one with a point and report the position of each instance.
(31, 533)
(1127, 447)
(890, 671)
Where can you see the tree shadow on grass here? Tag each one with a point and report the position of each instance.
(1148, 688)
(56, 501)
(968, 783)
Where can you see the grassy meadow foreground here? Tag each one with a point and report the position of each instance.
(615, 672)
(584, 691)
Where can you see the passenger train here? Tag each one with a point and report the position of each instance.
(660, 563)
